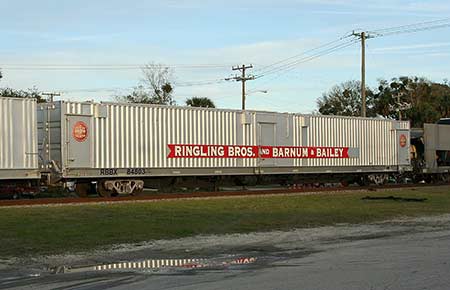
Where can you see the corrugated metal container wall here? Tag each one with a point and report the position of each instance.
(137, 135)
(376, 139)
(249, 132)
(18, 134)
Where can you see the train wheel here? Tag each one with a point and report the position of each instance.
(82, 189)
(103, 191)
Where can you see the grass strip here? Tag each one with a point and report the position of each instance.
(30, 231)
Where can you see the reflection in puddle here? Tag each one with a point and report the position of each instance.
(157, 264)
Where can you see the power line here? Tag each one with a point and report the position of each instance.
(411, 28)
(194, 83)
(261, 70)
(277, 68)
(102, 66)
(415, 30)
(93, 90)
(284, 67)
(292, 65)
(408, 26)
(112, 89)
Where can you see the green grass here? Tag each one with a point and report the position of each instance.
(60, 229)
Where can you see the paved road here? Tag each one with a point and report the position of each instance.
(410, 257)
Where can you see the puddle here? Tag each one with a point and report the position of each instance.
(154, 265)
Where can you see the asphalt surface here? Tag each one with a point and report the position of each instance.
(412, 254)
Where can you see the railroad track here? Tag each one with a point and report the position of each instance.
(169, 196)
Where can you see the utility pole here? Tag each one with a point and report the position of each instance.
(363, 36)
(51, 95)
(363, 74)
(243, 78)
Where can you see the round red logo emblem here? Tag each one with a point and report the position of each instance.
(80, 131)
(403, 140)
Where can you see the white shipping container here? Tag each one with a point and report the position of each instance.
(95, 139)
(376, 140)
(18, 139)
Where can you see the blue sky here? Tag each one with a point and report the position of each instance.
(222, 33)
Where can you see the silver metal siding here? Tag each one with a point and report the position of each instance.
(249, 132)
(18, 134)
(137, 136)
(375, 138)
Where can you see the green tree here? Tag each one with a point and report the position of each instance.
(13, 93)
(440, 93)
(416, 99)
(345, 100)
(200, 102)
(30, 93)
(391, 94)
(138, 95)
(155, 87)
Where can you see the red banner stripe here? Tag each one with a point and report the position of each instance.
(240, 151)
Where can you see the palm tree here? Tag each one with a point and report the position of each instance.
(200, 102)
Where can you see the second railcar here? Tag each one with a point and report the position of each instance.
(121, 146)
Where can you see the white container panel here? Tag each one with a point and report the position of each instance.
(136, 136)
(18, 134)
(374, 138)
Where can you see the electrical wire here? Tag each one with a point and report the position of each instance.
(277, 68)
(261, 70)
(285, 70)
(102, 66)
(176, 84)
(294, 64)
(198, 83)
(410, 28)
(413, 30)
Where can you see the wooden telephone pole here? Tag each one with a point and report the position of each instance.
(363, 36)
(243, 78)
